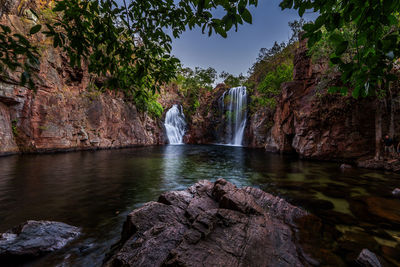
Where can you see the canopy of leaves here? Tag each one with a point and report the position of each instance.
(266, 85)
(192, 82)
(267, 61)
(231, 80)
(374, 43)
(274, 79)
(129, 44)
(18, 54)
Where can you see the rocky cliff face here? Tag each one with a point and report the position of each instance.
(63, 113)
(206, 126)
(313, 123)
(258, 130)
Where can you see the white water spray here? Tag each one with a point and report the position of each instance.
(175, 125)
(234, 105)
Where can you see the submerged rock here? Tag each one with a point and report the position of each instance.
(345, 166)
(368, 259)
(396, 192)
(389, 165)
(35, 238)
(213, 224)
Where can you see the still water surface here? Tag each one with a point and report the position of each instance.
(96, 190)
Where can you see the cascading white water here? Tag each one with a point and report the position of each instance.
(175, 125)
(234, 106)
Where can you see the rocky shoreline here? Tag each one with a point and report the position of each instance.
(219, 224)
(208, 224)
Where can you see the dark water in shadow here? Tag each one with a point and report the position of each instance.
(96, 190)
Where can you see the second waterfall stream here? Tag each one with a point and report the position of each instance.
(233, 104)
(175, 125)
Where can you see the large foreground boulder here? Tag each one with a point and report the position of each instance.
(35, 238)
(213, 224)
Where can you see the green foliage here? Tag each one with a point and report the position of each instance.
(268, 60)
(269, 88)
(373, 44)
(14, 127)
(129, 45)
(147, 102)
(191, 82)
(272, 82)
(92, 92)
(231, 80)
(17, 54)
(273, 67)
(195, 79)
(297, 27)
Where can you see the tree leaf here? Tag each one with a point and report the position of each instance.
(247, 16)
(341, 48)
(336, 38)
(35, 29)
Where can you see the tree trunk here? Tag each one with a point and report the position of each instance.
(378, 129)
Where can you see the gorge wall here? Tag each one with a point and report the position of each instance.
(64, 113)
(316, 124)
(307, 120)
(206, 125)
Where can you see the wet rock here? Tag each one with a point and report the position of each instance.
(385, 208)
(396, 192)
(392, 254)
(35, 238)
(390, 165)
(214, 224)
(258, 132)
(371, 164)
(385, 211)
(345, 167)
(368, 259)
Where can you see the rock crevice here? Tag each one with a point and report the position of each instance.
(213, 224)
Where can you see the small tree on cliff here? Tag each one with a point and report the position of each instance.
(231, 80)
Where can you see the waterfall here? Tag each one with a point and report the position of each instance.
(175, 125)
(233, 104)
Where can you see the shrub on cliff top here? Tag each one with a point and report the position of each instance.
(191, 82)
(147, 102)
(270, 87)
(273, 67)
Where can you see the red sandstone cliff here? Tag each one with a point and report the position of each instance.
(315, 124)
(63, 113)
(206, 125)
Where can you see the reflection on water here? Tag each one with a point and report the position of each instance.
(185, 164)
(96, 190)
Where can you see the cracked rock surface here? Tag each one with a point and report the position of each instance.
(213, 224)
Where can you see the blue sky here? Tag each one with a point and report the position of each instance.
(236, 53)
